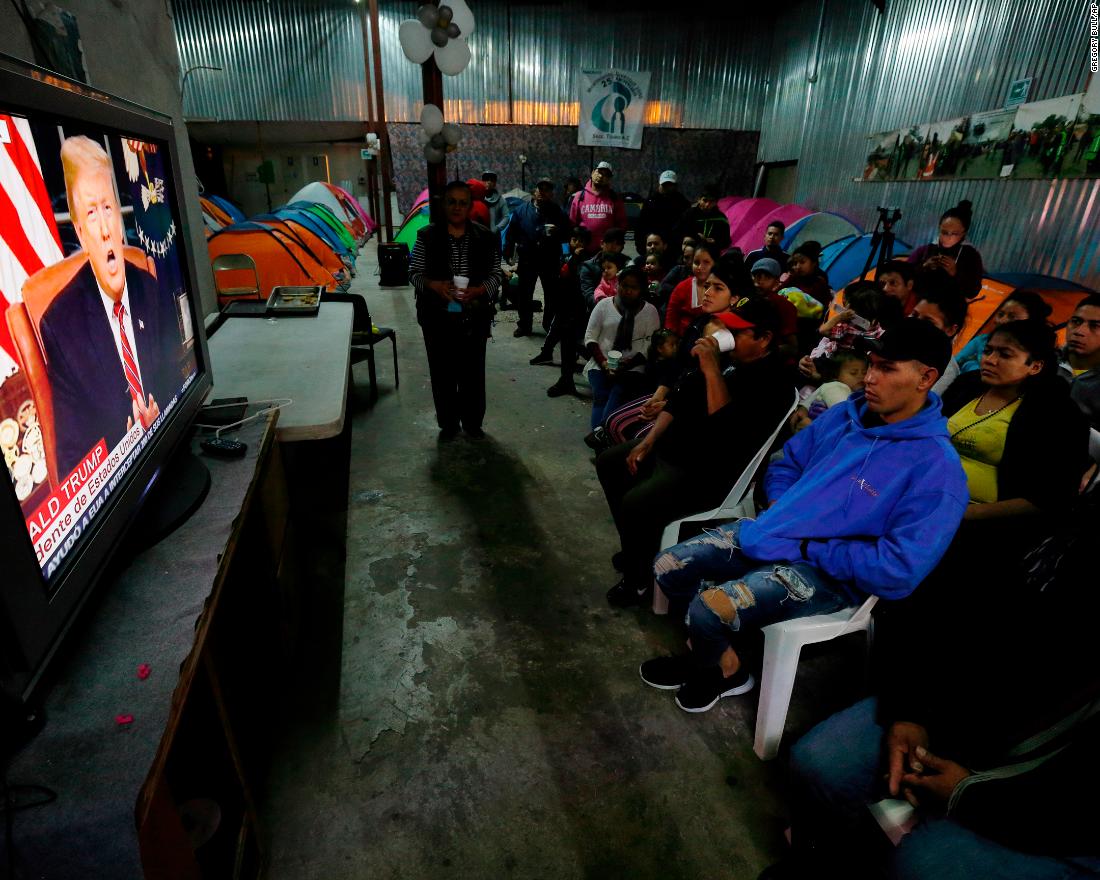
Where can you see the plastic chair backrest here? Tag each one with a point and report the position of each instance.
(737, 492)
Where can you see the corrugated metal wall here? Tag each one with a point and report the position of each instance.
(706, 72)
(283, 59)
(926, 60)
(303, 59)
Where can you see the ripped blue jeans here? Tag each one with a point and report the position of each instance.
(725, 590)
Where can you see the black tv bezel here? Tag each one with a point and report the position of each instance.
(34, 618)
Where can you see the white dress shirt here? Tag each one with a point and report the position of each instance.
(128, 320)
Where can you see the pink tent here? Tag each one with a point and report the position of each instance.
(351, 203)
(746, 213)
(727, 202)
(753, 237)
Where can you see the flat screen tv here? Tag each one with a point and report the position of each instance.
(103, 359)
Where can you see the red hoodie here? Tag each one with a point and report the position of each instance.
(479, 211)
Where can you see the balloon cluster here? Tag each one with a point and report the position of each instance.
(436, 136)
(439, 30)
(440, 21)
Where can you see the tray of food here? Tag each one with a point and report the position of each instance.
(289, 301)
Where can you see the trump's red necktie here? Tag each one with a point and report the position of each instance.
(128, 362)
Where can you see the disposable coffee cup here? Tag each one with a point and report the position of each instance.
(461, 282)
(613, 359)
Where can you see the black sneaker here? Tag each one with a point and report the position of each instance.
(707, 687)
(618, 560)
(474, 433)
(561, 388)
(543, 357)
(667, 673)
(624, 595)
(521, 331)
(448, 433)
(597, 440)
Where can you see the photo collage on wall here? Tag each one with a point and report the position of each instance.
(1055, 138)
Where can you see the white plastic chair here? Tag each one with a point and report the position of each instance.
(731, 508)
(783, 643)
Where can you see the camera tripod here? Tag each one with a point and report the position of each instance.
(882, 240)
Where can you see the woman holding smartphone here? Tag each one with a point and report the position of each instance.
(952, 253)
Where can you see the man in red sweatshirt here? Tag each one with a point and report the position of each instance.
(598, 207)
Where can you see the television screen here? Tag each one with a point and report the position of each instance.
(98, 344)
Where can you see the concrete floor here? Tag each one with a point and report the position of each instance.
(489, 720)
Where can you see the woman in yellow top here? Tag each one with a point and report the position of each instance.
(1022, 441)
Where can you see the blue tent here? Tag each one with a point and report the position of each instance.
(232, 210)
(843, 260)
(823, 227)
(298, 211)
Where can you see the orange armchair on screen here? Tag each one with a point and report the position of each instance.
(23, 320)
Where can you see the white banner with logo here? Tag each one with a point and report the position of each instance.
(612, 108)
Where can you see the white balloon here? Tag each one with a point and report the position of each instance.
(416, 41)
(453, 58)
(433, 155)
(422, 136)
(431, 119)
(451, 133)
(463, 17)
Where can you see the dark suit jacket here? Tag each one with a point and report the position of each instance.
(91, 400)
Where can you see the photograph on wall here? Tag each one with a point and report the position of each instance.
(1083, 152)
(894, 155)
(986, 147)
(941, 148)
(883, 150)
(1041, 136)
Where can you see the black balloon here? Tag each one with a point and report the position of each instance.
(453, 30)
(439, 36)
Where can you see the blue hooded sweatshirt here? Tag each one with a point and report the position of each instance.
(878, 506)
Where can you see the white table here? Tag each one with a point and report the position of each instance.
(305, 359)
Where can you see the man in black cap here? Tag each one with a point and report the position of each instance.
(863, 502)
(535, 236)
(498, 205)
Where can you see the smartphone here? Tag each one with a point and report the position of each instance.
(861, 323)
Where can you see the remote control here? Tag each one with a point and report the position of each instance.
(222, 448)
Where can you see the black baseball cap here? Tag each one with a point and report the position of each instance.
(914, 340)
(760, 313)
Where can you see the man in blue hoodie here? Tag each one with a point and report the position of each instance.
(864, 501)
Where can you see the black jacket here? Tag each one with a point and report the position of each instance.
(437, 267)
(957, 658)
(661, 213)
(1046, 448)
(711, 224)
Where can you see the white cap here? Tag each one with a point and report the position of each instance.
(666, 177)
(605, 166)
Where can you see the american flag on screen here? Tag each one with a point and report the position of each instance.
(28, 233)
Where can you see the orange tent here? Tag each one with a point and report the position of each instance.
(1061, 295)
(280, 260)
(310, 241)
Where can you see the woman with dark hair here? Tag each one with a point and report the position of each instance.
(456, 318)
(722, 290)
(1020, 305)
(686, 298)
(1022, 440)
(616, 339)
(952, 253)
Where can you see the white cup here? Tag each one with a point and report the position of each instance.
(614, 358)
(461, 282)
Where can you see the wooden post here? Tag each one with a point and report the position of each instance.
(383, 131)
(372, 124)
(437, 174)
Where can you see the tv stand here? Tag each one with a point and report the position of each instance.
(178, 491)
(164, 700)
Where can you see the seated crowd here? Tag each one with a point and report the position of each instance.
(955, 488)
